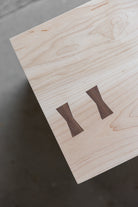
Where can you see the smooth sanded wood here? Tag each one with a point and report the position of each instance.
(92, 45)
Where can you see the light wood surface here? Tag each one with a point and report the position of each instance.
(92, 45)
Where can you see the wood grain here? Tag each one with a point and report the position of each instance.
(95, 44)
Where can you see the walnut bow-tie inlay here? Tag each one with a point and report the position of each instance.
(104, 110)
(67, 115)
(74, 127)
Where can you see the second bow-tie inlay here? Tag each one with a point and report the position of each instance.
(95, 95)
(65, 112)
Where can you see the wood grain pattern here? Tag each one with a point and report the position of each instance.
(94, 44)
(74, 127)
(95, 95)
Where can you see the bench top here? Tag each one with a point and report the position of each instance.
(83, 69)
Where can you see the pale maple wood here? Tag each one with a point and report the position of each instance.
(94, 44)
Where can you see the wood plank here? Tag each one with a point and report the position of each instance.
(94, 46)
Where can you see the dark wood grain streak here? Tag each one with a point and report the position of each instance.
(65, 112)
(104, 110)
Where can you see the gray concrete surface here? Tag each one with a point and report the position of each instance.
(8, 6)
(33, 172)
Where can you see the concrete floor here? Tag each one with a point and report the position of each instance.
(33, 171)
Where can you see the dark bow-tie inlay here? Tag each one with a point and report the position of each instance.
(73, 125)
(103, 109)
